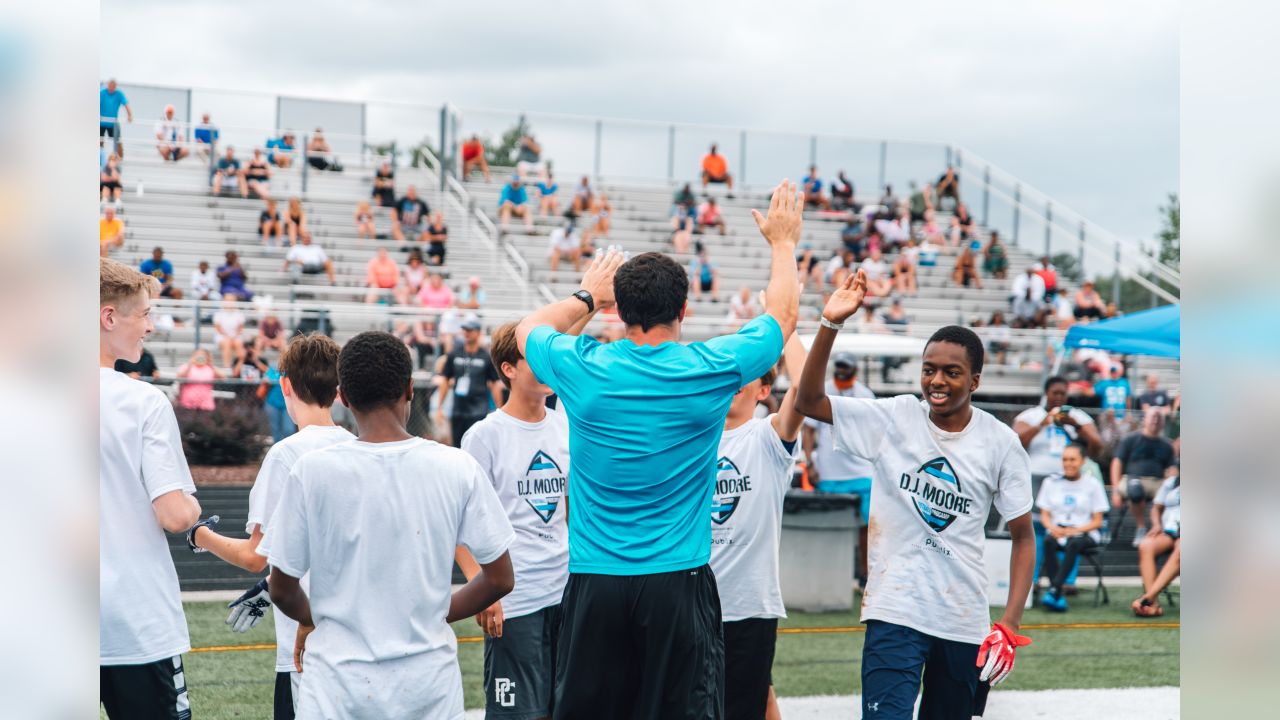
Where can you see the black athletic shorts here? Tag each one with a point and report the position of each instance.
(748, 666)
(640, 647)
(520, 666)
(284, 702)
(436, 250)
(154, 691)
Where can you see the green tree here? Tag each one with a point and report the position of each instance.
(1170, 252)
(503, 153)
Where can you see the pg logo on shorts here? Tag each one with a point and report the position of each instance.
(502, 692)
(542, 486)
(730, 485)
(936, 493)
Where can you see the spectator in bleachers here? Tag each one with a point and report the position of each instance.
(413, 276)
(195, 378)
(365, 227)
(228, 323)
(963, 227)
(1028, 285)
(418, 337)
(437, 238)
(683, 224)
(709, 216)
(280, 150)
(894, 231)
(271, 335)
(813, 194)
(306, 258)
(931, 231)
(966, 269)
(205, 135)
(948, 186)
(249, 367)
(384, 185)
(904, 269)
(409, 215)
(565, 244)
(109, 180)
(1142, 462)
(548, 202)
(998, 337)
(809, 266)
(704, 276)
(684, 201)
(295, 221)
(229, 175)
(715, 169)
(601, 210)
(868, 322)
(1049, 274)
(851, 235)
(110, 99)
(471, 297)
(319, 155)
(1088, 303)
(204, 283)
(1165, 536)
(435, 295)
(171, 136)
(743, 306)
(1071, 510)
(382, 275)
(145, 368)
(514, 200)
(162, 270)
(1047, 428)
(269, 224)
(879, 284)
(1114, 391)
(842, 194)
(928, 253)
(528, 157)
(110, 231)
(1154, 399)
(919, 202)
(842, 263)
(233, 278)
(583, 196)
(257, 175)
(995, 260)
(897, 322)
(1029, 312)
(888, 203)
(473, 159)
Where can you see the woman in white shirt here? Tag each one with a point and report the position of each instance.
(1071, 508)
(1165, 536)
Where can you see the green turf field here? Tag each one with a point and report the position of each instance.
(238, 684)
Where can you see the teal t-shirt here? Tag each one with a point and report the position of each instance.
(1114, 394)
(644, 426)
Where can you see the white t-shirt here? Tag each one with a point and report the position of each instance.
(376, 525)
(1023, 281)
(1045, 450)
(834, 264)
(308, 255)
(140, 453)
(753, 472)
(832, 465)
(875, 269)
(265, 496)
(229, 323)
(931, 493)
(563, 240)
(203, 283)
(1170, 496)
(528, 465)
(1072, 503)
(169, 131)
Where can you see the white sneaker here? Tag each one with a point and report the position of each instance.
(1138, 535)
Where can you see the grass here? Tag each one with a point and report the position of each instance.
(239, 684)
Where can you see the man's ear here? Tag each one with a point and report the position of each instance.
(977, 380)
(408, 391)
(683, 309)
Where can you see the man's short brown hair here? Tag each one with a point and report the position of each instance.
(311, 364)
(117, 281)
(504, 349)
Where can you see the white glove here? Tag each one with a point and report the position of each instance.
(248, 609)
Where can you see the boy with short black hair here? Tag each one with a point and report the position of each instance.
(524, 450)
(309, 383)
(940, 465)
(375, 521)
(145, 489)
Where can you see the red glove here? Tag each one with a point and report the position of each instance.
(995, 656)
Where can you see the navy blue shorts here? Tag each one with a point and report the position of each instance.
(893, 658)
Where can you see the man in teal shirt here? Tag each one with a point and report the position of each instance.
(1114, 392)
(641, 635)
(110, 99)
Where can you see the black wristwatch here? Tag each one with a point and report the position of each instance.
(585, 297)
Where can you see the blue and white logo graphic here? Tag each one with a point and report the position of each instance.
(543, 486)
(936, 493)
(730, 485)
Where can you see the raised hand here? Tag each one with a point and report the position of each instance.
(782, 225)
(847, 298)
(598, 280)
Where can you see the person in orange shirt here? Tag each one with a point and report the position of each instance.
(110, 231)
(473, 158)
(716, 170)
(383, 274)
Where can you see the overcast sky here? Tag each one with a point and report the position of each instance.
(1079, 98)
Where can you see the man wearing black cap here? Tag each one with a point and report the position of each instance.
(838, 472)
(468, 371)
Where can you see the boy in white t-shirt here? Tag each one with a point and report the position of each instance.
(144, 489)
(309, 383)
(524, 451)
(375, 522)
(1071, 508)
(753, 472)
(940, 466)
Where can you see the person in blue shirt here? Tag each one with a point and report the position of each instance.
(280, 150)
(548, 203)
(206, 135)
(703, 274)
(515, 201)
(813, 194)
(110, 99)
(162, 270)
(641, 634)
(1114, 392)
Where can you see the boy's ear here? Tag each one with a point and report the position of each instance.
(342, 399)
(286, 387)
(408, 391)
(977, 380)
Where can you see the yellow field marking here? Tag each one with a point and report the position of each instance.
(790, 631)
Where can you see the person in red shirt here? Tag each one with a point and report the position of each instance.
(1049, 274)
(716, 170)
(473, 158)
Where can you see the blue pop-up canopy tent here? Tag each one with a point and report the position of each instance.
(1149, 332)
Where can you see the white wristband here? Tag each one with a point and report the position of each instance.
(824, 322)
